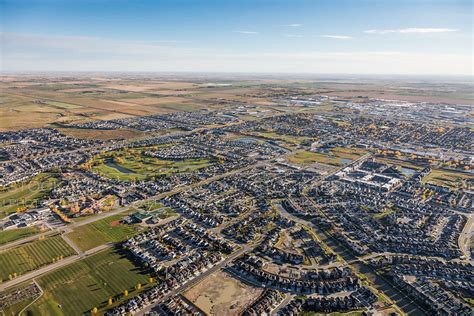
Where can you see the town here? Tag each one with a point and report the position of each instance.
(317, 204)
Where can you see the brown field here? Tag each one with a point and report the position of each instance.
(101, 134)
(221, 294)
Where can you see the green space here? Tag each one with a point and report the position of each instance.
(79, 287)
(25, 195)
(10, 235)
(295, 140)
(32, 255)
(100, 232)
(386, 212)
(131, 164)
(337, 157)
(449, 178)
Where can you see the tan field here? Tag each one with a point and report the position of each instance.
(221, 294)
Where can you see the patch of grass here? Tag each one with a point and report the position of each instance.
(88, 283)
(26, 195)
(10, 235)
(32, 256)
(448, 178)
(304, 157)
(101, 232)
(384, 213)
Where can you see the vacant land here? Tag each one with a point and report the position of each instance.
(101, 134)
(449, 178)
(337, 157)
(23, 196)
(10, 235)
(221, 294)
(32, 255)
(88, 283)
(100, 232)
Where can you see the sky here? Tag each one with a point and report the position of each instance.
(412, 37)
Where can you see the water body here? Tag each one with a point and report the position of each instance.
(408, 171)
(346, 161)
(112, 164)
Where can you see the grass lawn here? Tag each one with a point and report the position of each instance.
(296, 140)
(32, 255)
(337, 157)
(10, 235)
(25, 195)
(447, 178)
(88, 283)
(101, 232)
(305, 157)
(132, 165)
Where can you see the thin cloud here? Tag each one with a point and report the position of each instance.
(246, 32)
(341, 37)
(415, 30)
(427, 30)
(293, 25)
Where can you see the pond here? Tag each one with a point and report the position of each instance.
(346, 161)
(112, 164)
(408, 171)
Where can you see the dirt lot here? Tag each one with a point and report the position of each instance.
(221, 294)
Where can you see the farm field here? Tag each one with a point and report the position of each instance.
(25, 195)
(132, 165)
(32, 255)
(88, 283)
(10, 235)
(100, 232)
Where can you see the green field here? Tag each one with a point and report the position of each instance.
(25, 195)
(447, 178)
(337, 157)
(131, 165)
(101, 232)
(295, 140)
(10, 235)
(88, 283)
(32, 255)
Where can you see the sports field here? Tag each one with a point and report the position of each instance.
(100, 232)
(88, 283)
(10, 235)
(32, 255)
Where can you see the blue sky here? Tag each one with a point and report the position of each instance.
(298, 36)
